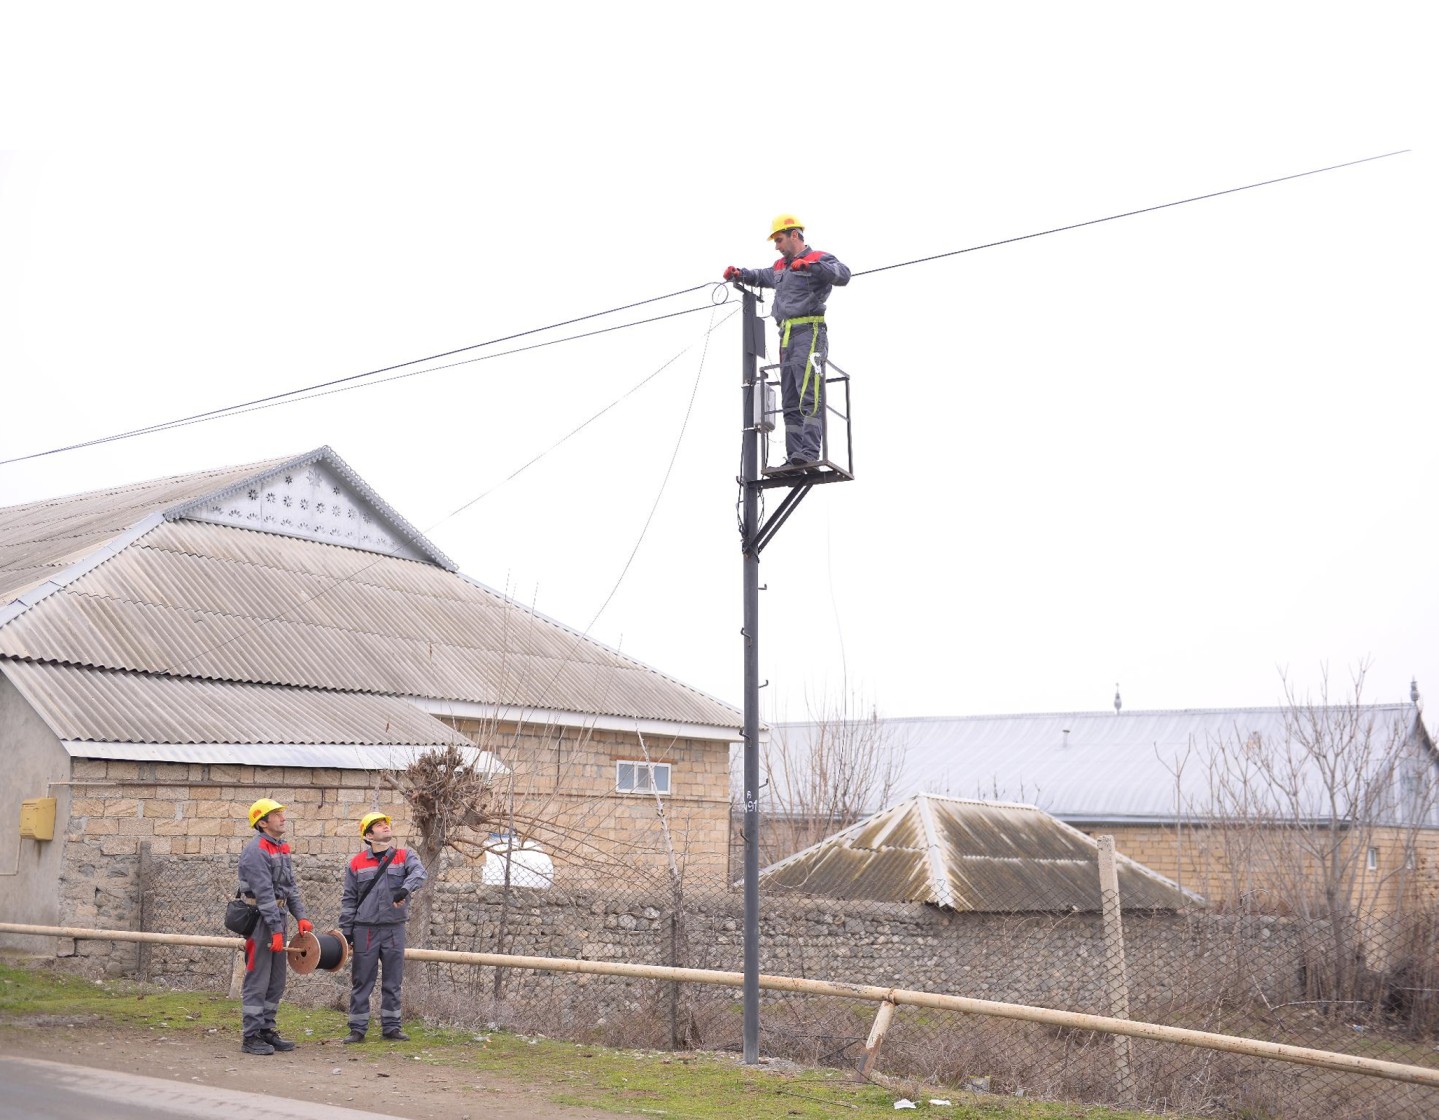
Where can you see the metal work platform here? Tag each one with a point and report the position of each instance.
(836, 458)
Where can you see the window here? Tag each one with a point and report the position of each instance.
(1373, 861)
(642, 777)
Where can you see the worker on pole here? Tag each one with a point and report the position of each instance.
(802, 279)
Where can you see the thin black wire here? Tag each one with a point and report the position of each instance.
(449, 365)
(282, 398)
(1130, 213)
(280, 617)
(300, 394)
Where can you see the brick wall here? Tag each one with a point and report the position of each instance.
(566, 777)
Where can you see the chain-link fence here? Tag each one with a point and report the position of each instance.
(1369, 990)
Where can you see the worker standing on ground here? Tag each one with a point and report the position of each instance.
(802, 279)
(374, 907)
(267, 880)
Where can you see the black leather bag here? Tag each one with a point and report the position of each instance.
(240, 916)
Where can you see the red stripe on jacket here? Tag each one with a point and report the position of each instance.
(812, 257)
(366, 859)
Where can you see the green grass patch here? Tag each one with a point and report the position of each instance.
(692, 1086)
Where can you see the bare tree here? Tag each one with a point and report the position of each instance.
(1296, 825)
(841, 767)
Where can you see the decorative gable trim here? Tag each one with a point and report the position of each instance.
(315, 497)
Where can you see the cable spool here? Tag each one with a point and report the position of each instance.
(309, 951)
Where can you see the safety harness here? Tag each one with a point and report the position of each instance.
(815, 321)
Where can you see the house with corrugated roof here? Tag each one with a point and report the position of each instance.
(172, 650)
(1196, 795)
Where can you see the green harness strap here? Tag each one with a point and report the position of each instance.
(806, 320)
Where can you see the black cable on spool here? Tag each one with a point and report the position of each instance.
(334, 951)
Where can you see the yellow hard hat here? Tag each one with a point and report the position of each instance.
(368, 821)
(261, 809)
(783, 222)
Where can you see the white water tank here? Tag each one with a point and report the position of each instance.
(530, 865)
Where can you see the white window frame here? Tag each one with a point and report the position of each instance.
(1372, 860)
(633, 775)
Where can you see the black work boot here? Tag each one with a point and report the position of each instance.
(274, 1039)
(394, 1034)
(353, 1037)
(256, 1044)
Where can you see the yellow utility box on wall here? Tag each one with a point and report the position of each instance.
(37, 818)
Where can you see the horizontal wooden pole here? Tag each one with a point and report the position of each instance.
(1231, 1044)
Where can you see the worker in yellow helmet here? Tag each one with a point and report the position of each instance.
(802, 279)
(374, 907)
(267, 881)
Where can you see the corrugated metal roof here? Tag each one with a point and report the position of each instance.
(967, 855)
(40, 539)
(98, 705)
(223, 603)
(330, 756)
(1108, 766)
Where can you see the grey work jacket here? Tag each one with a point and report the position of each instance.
(267, 873)
(799, 294)
(379, 908)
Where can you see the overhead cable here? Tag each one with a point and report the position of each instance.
(1129, 213)
(305, 392)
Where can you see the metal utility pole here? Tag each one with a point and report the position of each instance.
(753, 332)
(834, 466)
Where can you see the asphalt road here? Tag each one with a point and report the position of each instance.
(31, 1089)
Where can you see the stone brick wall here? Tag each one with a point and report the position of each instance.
(566, 776)
(1052, 960)
(1406, 871)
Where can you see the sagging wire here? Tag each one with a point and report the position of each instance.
(1129, 213)
(473, 501)
(352, 381)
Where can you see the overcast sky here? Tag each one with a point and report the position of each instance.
(1184, 452)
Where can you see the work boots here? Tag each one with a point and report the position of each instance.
(256, 1044)
(394, 1034)
(278, 1043)
(353, 1037)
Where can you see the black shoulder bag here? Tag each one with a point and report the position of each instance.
(379, 874)
(240, 916)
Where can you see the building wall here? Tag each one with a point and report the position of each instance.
(1226, 868)
(563, 781)
(194, 810)
(35, 765)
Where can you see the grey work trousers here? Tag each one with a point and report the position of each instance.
(265, 975)
(377, 948)
(801, 385)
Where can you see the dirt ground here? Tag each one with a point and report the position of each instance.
(382, 1077)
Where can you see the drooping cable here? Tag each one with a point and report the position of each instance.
(340, 581)
(1128, 213)
(309, 391)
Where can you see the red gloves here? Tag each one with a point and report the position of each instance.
(277, 942)
(305, 926)
(799, 264)
(731, 272)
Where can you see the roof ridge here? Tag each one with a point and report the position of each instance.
(1275, 708)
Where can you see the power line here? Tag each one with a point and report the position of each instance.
(298, 394)
(361, 380)
(280, 616)
(240, 411)
(1129, 213)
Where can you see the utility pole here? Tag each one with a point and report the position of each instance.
(753, 332)
(834, 466)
